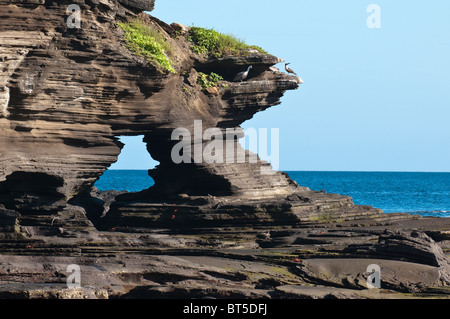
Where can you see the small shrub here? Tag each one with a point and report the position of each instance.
(213, 43)
(207, 81)
(146, 41)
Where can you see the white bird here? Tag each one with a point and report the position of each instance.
(242, 75)
(289, 70)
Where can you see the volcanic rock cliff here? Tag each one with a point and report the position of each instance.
(66, 94)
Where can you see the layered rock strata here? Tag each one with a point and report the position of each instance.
(66, 94)
(69, 92)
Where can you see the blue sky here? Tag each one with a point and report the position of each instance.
(372, 99)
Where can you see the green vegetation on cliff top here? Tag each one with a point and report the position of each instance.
(213, 43)
(148, 42)
(210, 80)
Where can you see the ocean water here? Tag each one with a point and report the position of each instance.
(426, 194)
(124, 180)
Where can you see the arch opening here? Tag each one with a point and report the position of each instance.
(130, 172)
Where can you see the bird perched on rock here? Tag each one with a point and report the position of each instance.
(242, 75)
(288, 69)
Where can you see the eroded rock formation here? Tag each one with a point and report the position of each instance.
(66, 94)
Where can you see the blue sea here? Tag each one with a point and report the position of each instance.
(426, 194)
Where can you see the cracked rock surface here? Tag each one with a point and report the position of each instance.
(228, 229)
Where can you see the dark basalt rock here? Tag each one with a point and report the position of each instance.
(68, 93)
(30, 192)
(139, 5)
(241, 227)
(410, 246)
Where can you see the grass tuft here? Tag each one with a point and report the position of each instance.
(148, 42)
(213, 43)
(207, 81)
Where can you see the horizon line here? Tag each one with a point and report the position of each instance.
(324, 171)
